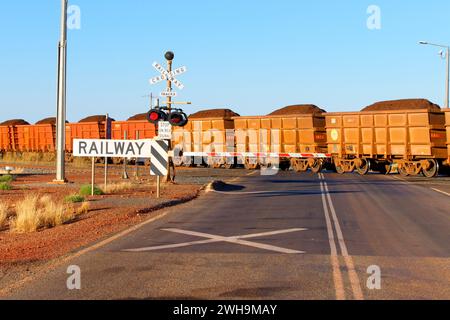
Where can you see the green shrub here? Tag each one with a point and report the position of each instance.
(6, 178)
(86, 190)
(75, 198)
(5, 186)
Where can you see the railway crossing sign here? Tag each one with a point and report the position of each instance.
(169, 76)
(159, 158)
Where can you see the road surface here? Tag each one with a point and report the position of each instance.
(288, 236)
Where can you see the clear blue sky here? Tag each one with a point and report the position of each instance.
(251, 56)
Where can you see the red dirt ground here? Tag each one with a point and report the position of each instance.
(108, 214)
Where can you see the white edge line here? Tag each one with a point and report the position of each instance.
(353, 276)
(440, 191)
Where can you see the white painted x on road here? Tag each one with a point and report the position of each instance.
(235, 239)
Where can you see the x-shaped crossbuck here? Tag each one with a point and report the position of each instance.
(165, 75)
(234, 239)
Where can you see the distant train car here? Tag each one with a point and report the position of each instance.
(36, 138)
(408, 133)
(295, 136)
(6, 138)
(9, 135)
(206, 135)
(133, 128)
(93, 127)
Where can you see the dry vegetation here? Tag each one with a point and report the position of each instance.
(118, 187)
(36, 212)
(84, 208)
(3, 214)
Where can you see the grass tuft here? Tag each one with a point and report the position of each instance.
(5, 186)
(6, 178)
(86, 189)
(34, 213)
(27, 216)
(84, 208)
(74, 198)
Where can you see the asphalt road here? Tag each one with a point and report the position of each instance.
(288, 236)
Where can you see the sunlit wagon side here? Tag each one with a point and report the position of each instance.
(293, 139)
(447, 125)
(6, 138)
(36, 138)
(202, 138)
(414, 140)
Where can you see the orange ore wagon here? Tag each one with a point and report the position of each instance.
(412, 139)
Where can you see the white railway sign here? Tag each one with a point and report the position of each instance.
(112, 148)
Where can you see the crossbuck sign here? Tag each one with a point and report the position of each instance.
(170, 76)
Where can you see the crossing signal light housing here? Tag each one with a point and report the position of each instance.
(178, 118)
(156, 115)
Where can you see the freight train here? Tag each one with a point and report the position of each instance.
(412, 136)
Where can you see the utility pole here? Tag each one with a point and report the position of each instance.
(61, 98)
(448, 79)
(447, 56)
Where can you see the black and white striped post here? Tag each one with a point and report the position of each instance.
(159, 162)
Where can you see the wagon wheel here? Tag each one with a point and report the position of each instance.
(340, 170)
(301, 166)
(432, 170)
(338, 167)
(317, 167)
(250, 165)
(294, 162)
(228, 166)
(230, 163)
(403, 171)
(385, 168)
(364, 168)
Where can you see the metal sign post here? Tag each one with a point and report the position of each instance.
(136, 165)
(125, 173)
(61, 98)
(158, 187)
(93, 176)
(110, 149)
(106, 162)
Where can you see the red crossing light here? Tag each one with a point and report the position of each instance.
(178, 119)
(156, 115)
